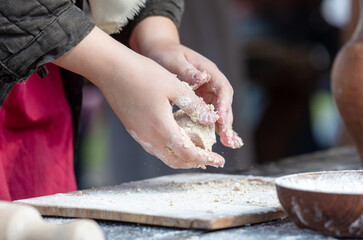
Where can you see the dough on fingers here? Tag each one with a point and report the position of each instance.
(202, 136)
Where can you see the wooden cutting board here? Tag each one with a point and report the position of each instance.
(200, 201)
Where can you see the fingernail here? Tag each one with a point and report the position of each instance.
(200, 78)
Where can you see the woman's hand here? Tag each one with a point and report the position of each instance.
(157, 38)
(141, 93)
(208, 82)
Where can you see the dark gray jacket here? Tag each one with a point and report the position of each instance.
(35, 32)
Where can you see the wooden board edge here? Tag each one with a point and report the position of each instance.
(109, 215)
(238, 221)
(199, 223)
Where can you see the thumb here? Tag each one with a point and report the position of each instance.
(188, 73)
(195, 107)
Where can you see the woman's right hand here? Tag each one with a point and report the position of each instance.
(141, 93)
(143, 104)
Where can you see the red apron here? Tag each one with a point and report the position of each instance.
(36, 139)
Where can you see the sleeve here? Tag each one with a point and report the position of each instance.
(172, 9)
(35, 32)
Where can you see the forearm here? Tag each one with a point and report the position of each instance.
(98, 57)
(152, 31)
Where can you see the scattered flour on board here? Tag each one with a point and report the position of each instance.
(185, 196)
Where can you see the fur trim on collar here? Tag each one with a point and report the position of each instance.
(112, 15)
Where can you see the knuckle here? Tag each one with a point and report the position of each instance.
(172, 162)
(230, 89)
(213, 65)
(228, 86)
(187, 155)
(160, 132)
(174, 165)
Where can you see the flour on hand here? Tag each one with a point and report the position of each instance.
(202, 136)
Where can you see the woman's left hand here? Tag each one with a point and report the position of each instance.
(157, 38)
(206, 79)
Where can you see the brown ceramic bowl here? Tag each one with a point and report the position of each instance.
(327, 202)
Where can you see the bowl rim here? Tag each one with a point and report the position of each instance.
(279, 182)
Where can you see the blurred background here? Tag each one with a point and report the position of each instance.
(277, 56)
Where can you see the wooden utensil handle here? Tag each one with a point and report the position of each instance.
(20, 222)
(77, 230)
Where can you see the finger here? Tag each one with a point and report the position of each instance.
(191, 104)
(183, 151)
(219, 89)
(224, 95)
(228, 137)
(173, 161)
(188, 73)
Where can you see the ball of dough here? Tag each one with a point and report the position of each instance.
(202, 136)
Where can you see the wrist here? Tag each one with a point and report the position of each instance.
(152, 32)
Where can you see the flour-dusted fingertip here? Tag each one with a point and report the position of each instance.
(217, 160)
(193, 76)
(200, 78)
(230, 138)
(210, 158)
(233, 141)
(237, 142)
